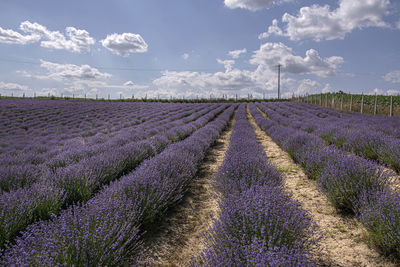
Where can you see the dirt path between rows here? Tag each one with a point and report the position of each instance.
(180, 236)
(345, 241)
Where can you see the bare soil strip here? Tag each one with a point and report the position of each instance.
(345, 242)
(180, 236)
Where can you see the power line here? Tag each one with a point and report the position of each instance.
(115, 68)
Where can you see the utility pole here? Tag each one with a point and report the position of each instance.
(279, 81)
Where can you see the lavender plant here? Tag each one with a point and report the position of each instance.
(259, 224)
(346, 178)
(354, 185)
(358, 134)
(379, 211)
(81, 181)
(106, 230)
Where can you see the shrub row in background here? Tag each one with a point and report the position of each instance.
(106, 231)
(80, 182)
(353, 184)
(259, 224)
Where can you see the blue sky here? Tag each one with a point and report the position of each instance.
(188, 48)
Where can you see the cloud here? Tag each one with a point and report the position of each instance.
(93, 92)
(398, 25)
(393, 76)
(237, 53)
(327, 89)
(13, 37)
(124, 44)
(377, 91)
(227, 64)
(49, 91)
(129, 83)
(262, 80)
(78, 79)
(320, 22)
(185, 56)
(272, 54)
(70, 72)
(273, 29)
(13, 87)
(79, 40)
(232, 81)
(307, 86)
(252, 5)
(203, 83)
(393, 92)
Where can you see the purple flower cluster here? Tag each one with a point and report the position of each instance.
(80, 181)
(23, 167)
(106, 230)
(345, 178)
(259, 224)
(380, 213)
(374, 138)
(353, 184)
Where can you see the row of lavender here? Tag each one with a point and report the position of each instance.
(76, 161)
(26, 168)
(259, 224)
(108, 229)
(358, 138)
(389, 126)
(53, 122)
(353, 184)
(348, 120)
(384, 124)
(80, 181)
(36, 159)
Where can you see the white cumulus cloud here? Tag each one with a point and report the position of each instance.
(252, 5)
(327, 89)
(237, 53)
(377, 91)
(49, 91)
(124, 44)
(129, 83)
(320, 22)
(307, 86)
(393, 92)
(70, 72)
(273, 29)
(393, 76)
(198, 82)
(13, 86)
(262, 80)
(227, 64)
(78, 40)
(272, 54)
(12, 37)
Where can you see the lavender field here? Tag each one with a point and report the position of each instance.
(100, 183)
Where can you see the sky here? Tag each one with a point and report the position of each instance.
(198, 48)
